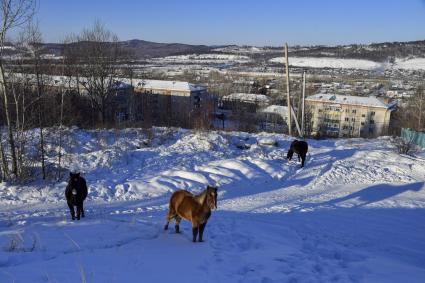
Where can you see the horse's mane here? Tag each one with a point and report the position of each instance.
(201, 197)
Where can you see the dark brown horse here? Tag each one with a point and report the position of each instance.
(195, 208)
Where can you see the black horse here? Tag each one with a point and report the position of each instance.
(76, 193)
(300, 148)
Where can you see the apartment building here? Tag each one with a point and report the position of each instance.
(348, 116)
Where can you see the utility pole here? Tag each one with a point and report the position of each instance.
(303, 105)
(288, 99)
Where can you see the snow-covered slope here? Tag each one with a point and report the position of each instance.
(412, 64)
(326, 62)
(340, 63)
(203, 58)
(355, 213)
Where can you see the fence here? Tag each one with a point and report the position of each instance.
(413, 137)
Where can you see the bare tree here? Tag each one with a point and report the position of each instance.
(97, 52)
(34, 40)
(417, 109)
(410, 115)
(13, 13)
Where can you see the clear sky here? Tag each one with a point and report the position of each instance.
(253, 22)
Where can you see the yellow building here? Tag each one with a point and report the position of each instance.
(348, 116)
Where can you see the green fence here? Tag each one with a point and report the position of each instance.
(413, 137)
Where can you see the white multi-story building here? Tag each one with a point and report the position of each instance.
(348, 116)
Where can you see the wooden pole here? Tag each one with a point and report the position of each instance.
(296, 122)
(288, 99)
(303, 106)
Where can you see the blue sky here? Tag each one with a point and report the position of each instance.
(266, 22)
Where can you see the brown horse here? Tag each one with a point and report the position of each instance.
(195, 208)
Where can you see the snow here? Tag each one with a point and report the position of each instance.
(120, 83)
(371, 101)
(355, 213)
(247, 97)
(411, 64)
(325, 62)
(203, 58)
(340, 63)
(245, 50)
(276, 109)
(165, 85)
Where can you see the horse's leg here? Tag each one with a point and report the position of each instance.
(299, 157)
(170, 214)
(195, 230)
(78, 210)
(303, 160)
(177, 220)
(201, 231)
(71, 209)
(82, 209)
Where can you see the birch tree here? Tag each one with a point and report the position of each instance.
(13, 14)
(34, 40)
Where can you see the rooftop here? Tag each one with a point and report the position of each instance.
(120, 83)
(168, 85)
(276, 109)
(350, 99)
(247, 97)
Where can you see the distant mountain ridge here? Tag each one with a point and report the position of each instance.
(376, 51)
(142, 49)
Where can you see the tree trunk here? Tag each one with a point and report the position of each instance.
(3, 89)
(60, 138)
(4, 169)
(40, 124)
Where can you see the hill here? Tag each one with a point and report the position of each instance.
(354, 213)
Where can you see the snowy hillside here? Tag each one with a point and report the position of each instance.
(412, 64)
(326, 62)
(340, 63)
(203, 58)
(355, 213)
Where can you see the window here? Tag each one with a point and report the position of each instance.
(362, 123)
(372, 113)
(353, 119)
(354, 111)
(347, 119)
(363, 115)
(372, 121)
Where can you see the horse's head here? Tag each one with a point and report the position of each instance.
(289, 154)
(74, 178)
(212, 197)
